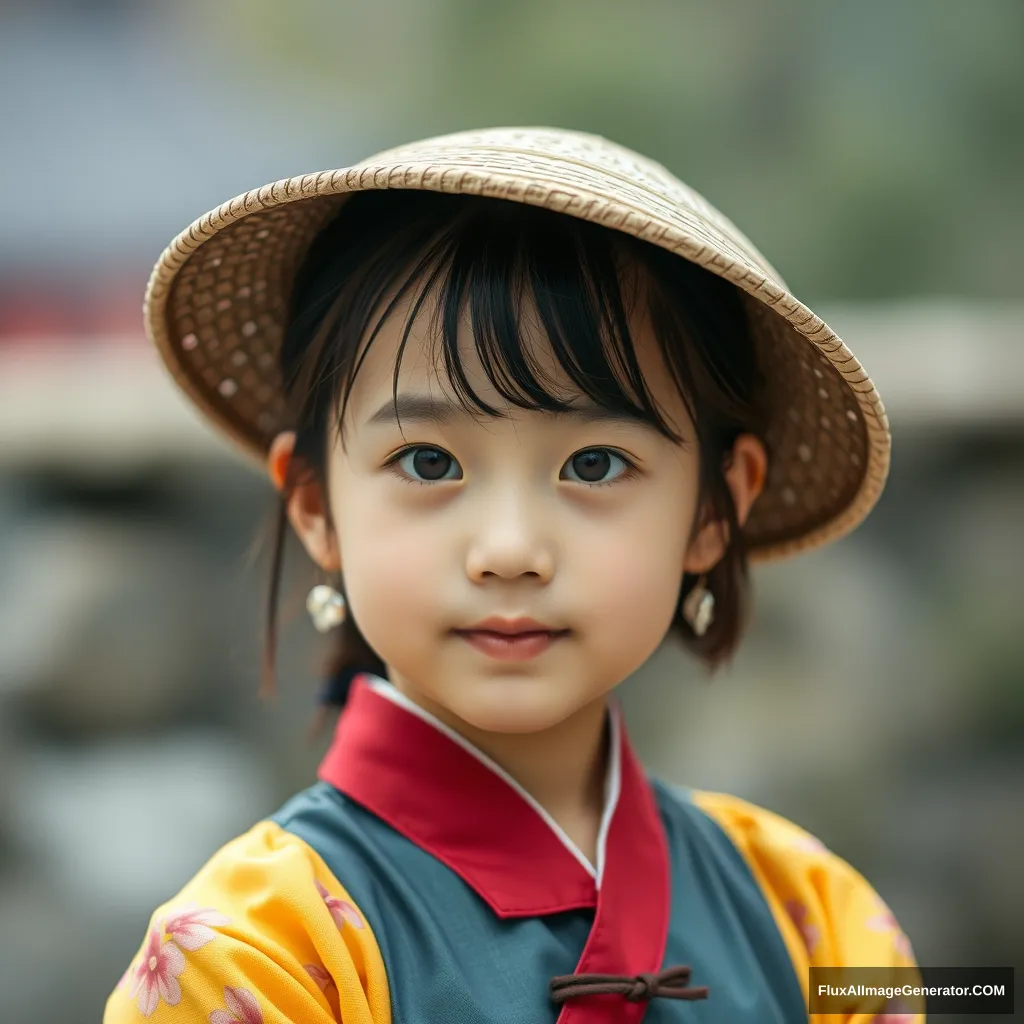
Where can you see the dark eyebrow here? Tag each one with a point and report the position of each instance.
(427, 409)
(416, 408)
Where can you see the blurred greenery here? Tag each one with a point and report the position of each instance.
(871, 149)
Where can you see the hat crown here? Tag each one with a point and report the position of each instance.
(553, 143)
(579, 161)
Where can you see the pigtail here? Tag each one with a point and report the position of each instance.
(351, 657)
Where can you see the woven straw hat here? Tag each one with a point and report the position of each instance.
(218, 302)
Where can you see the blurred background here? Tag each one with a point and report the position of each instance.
(874, 151)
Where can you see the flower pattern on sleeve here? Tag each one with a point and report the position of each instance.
(156, 977)
(242, 1008)
(253, 939)
(320, 976)
(191, 927)
(341, 911)
(162, 960)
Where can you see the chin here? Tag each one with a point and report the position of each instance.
(512, 706)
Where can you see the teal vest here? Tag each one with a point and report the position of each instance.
(450, 958)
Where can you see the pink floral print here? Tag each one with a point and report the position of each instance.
(320, 976)
(191, 928)
(342, 912)
(242, 1008)
(884, 921)
(799, 914)
(156, 977)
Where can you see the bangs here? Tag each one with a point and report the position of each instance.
(498, 268)
(496, 262)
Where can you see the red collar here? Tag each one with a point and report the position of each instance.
(430, 785)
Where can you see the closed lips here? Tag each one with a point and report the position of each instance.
(518, 640)
(512, 628)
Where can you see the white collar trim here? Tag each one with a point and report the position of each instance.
(612, 786)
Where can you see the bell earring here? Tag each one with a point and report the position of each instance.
(326, 607)
(699, 607)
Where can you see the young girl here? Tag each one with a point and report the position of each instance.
(531, 405)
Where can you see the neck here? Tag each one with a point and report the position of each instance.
(563, 768)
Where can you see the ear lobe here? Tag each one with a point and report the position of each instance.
(310, 517)
(706, 549)
(745, 471)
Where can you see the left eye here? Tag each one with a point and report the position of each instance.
(594, 466)
(429, 464)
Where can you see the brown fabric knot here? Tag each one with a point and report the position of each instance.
(670, 983)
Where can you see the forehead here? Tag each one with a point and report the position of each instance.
(411, 337)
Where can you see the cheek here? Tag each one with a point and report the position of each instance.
(633, 587)
(391, 561)
(631, 568)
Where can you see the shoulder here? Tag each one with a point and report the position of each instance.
(829, 914)
(263, 932)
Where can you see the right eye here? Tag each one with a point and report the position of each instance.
(424, 465)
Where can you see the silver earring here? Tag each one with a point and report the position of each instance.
(699, 607)
(326, 607)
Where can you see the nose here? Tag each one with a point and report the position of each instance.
(512, 541)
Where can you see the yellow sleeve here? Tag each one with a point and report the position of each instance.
(264, 934)
(828, 914)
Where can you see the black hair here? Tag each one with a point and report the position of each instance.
(486, 256)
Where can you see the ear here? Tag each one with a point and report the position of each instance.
(308, 508)
(745, 475)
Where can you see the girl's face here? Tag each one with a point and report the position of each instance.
(449, 524)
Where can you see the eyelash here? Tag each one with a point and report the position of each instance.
(392, 463)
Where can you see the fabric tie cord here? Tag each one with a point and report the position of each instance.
(670, 983)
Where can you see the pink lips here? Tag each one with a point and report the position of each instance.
(511, 639)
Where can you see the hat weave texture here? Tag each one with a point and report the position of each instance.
(218, 301)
